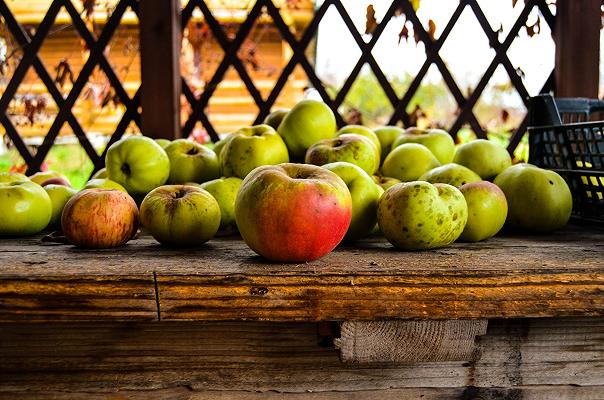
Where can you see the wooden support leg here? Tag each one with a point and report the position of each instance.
(409, 341)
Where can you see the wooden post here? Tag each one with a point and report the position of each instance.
(577, 36)
(160, 68)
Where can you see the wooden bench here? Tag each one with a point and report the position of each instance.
(516, 317)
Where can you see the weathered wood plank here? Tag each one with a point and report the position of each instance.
(204, 359)
(366, 342)
(514, 276)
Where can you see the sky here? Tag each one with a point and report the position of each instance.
(466, 51)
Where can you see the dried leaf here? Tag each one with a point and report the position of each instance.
(514, 3)
(531, 30)
(505, 115)
(370, 21)
(63, 73)
(416, 115)
(500, 30)
(403, 34)
(88, 7)
(431, 29)
(416, 36)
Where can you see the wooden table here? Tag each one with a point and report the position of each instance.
(366, 321)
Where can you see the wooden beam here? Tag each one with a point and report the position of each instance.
(160, 68)
(577, 37)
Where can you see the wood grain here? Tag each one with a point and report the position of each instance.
(510, 276)
(367, 342)
(535, 359)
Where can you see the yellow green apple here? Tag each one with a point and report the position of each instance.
(274, 118)
(40, 177)
(408, 162)
(438, 141)
(486, 158)
(252, 147)
(349, 147)
(191, 162)
(307, 123)
(162, 142)
(365, 195)
(363, 131)
(385, 182)
(420, 215)
(100, 174)
(26, 207)
(387, 135)
(539, 200)
(453, 174)
(180, 215)
(104, 183)
(224, 190)
(487, 210)
(137, 163)
(59, 195)
(7, 177)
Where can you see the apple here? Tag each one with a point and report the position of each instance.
(539, 200)
(40, 177)
(56, 181)
(163, 142)
(274, 118)
(224, 190)
(99, 218)
(191, 162)
(408, 162)
(486, 158)
(363, 131)
(252, 147)
(180, 215)
(350, 147)
(365, 194)
(439, 142)
(103, 183)
(293, 212)
(100, 174)
(387, 135)
(385, 182)
(26, 207)
(137, 163)
(453, 174)
(420, 215)
(487, 210)
(219, 145)
(59, 195)
(7, 177)
(307, 123)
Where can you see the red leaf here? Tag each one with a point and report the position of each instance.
(370, 21)
(431, 29)
(403, 34)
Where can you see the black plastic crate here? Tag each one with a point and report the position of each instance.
(575, 151)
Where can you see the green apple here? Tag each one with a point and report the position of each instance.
(539, 200)
(224, 190)
(408, 162)
(219, 145)
(180, 215)
(252, 147)
(100, 174)
(40, 177)
(385, 182)
(274, 118)
(59, 195)
(137, 163)
(349, 147)
(365, 196)
(307, 123)
(420, 215)
(486, 158)
(439, 142)
(363, 131)
(26, 207)
(163, 142)
(453, 174)
(387, 135)
(487, 210)
(8, 177)
(104, 183)
(191, 162)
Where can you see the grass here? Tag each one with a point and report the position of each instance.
(68, 159)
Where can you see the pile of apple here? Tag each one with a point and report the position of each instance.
(294, 187)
